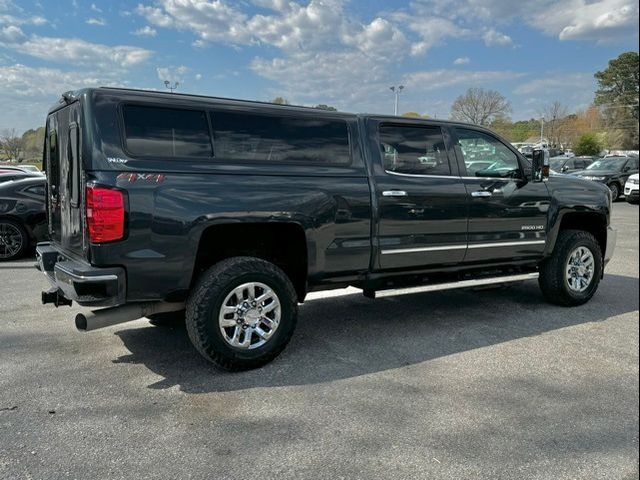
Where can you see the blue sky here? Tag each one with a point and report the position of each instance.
(338, 52)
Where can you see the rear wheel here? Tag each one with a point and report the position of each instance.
(242, 313)
(572, 275)
(615, 191)
(14, 240)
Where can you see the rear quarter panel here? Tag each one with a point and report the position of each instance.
(168, 212)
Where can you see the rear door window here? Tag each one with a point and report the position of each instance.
(414, 150)
(249, 137)
(166, 132)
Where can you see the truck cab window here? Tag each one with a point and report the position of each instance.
(166, 132)
(414, 150)
(486, 156)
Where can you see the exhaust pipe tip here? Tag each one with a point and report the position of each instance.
(81, 322)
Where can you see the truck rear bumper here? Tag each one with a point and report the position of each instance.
(80, 282)
(612, 238)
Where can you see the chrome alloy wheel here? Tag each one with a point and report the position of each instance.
(249, 316)
(10, 240)
(580, 269)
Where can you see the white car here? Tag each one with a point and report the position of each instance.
(631, 189)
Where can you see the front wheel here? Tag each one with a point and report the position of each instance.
(615, 191)
(572, 275)
(242, 313)
(14, 240)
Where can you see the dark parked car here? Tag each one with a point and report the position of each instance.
(31, 169)
(11, 175)
(612, 171)
(235, 210)
(564, 164)
(22, 215)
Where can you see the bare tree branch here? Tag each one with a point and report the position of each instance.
(480, 106)
(11, 145)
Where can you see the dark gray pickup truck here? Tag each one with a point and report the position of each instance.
(226, 213)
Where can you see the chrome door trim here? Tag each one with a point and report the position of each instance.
(507, 244)
(424, 249)
(440, 248)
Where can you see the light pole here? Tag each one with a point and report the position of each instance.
(171, 86)
(396, 91)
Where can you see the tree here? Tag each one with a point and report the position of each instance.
(522, 130)
(579, 123)
(11, 145)
(554, 120)
(280, 101)
(33, 141)
(617, 97)
(414, 115)
(480, 106)
(587, 144)
(329, 108)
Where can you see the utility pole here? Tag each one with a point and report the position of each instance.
(396, 91)
(541, 128)
(171, 86)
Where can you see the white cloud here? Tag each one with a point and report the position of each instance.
(555, 82)
(172, 74)
(11, 34)
(443, 78)
(28, 92)
(24, 81)
(100, 22)
(212, 21)
(333, 77)
(462, 61)
(493, 37)
(145, 31)
(77, 51)
(95, 8)
(598, 20)
(379, 38)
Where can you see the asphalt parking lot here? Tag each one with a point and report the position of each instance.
(458, 384)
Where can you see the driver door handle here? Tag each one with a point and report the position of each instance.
(394, 193)
(481, 193)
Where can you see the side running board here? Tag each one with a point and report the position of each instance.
(452, 285)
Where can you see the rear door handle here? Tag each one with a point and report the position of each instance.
(394, 193)
(481, 193)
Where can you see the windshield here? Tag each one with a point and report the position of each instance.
(608, 164)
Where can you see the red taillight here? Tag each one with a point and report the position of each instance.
(105, 214)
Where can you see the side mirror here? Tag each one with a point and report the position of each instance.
(565, 168)
(540, 166)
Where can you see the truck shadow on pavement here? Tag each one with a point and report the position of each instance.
(348, 336)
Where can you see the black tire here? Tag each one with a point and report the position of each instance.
(552, 278)
(14, 240)
(615, 191)
(205, 302)
(168, 319)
